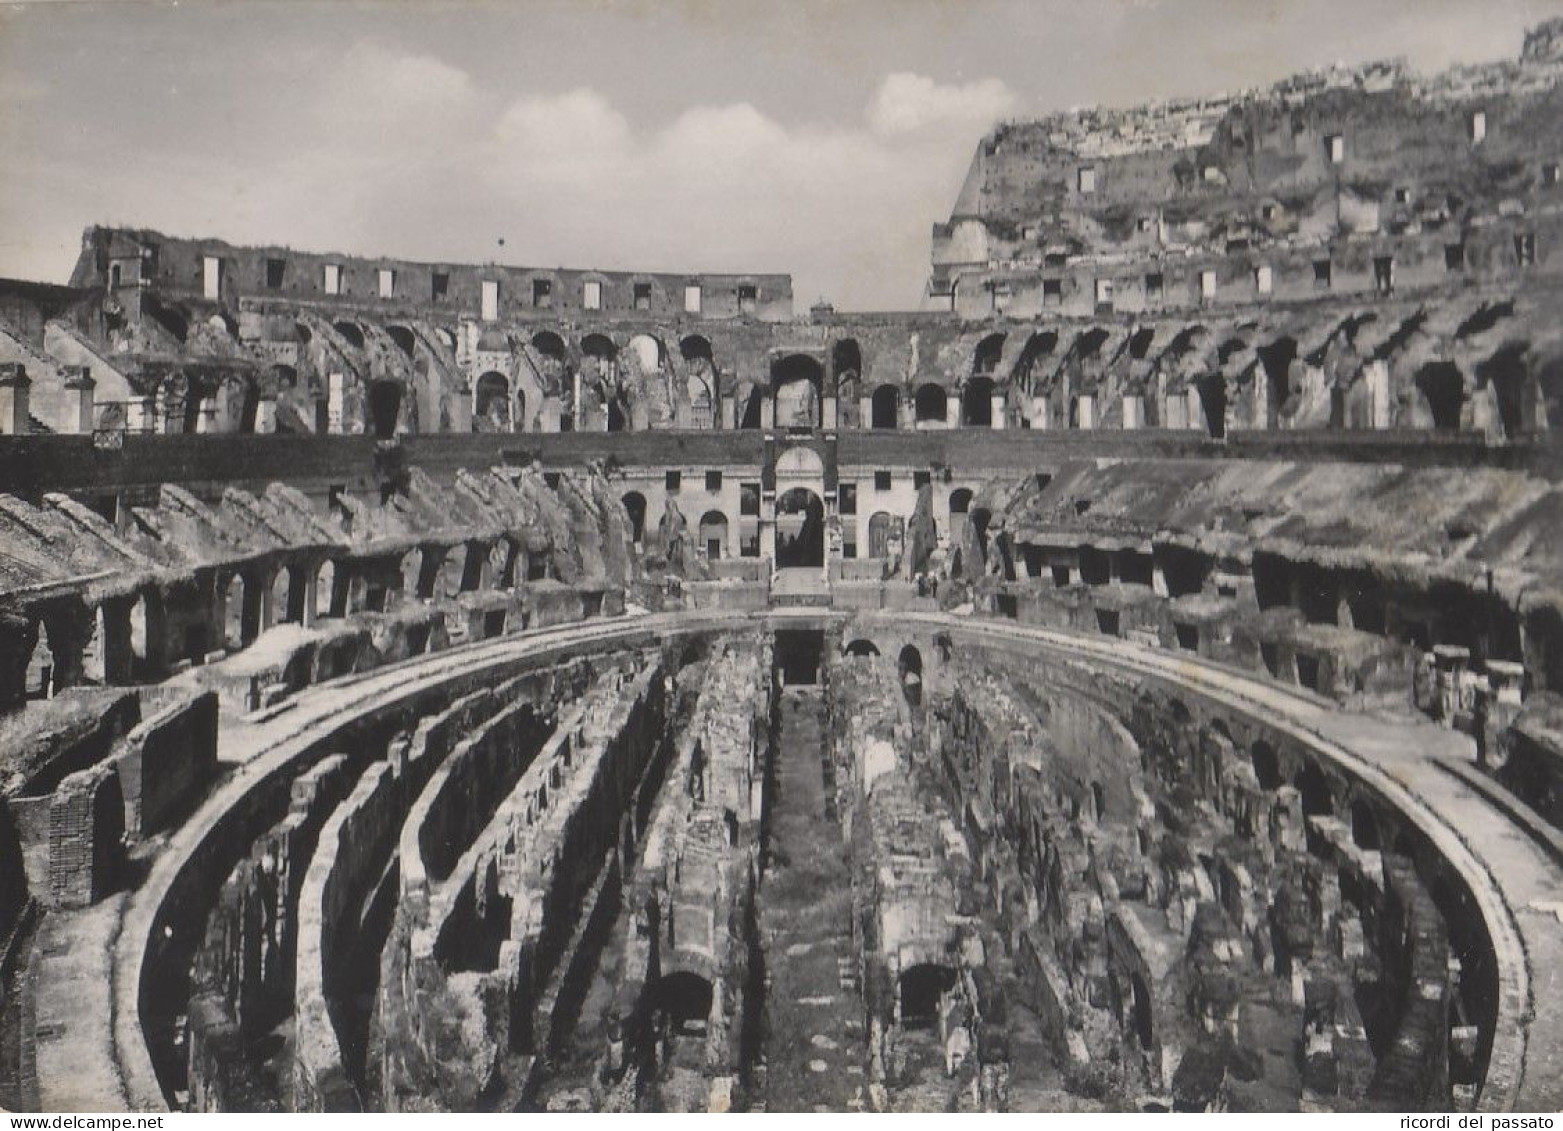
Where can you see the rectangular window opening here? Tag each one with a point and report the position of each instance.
(275, 269)
(591, 296)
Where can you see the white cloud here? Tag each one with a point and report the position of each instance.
(907, 102)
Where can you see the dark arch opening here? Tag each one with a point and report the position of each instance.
(1364, 826)
(695, 348)
(753, 409)
(403, 337)
(1267, 766)
(1038, 346)
(977, 403)
(921, 987)
(931, 404)
(797, 383)
(800, 530)
(635, 507)
(1213, 400)
(1507, 372)
(491, 403)
(685, 1000)
(1276, 359)
(1314, 786)
(549, 344)
(885, 408)
(385, 405)
(1444, 387)
(910, 667)
(960, 500)
(846, 365)
(985, 360)
(861, 648)
(1141, 1009)
(351, 332)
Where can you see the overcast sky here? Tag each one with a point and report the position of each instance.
(818, 138)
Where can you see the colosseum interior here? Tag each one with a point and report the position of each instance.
(1131, 682)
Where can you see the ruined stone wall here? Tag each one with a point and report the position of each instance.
(166, 762)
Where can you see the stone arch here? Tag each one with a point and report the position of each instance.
(700, 380)
(1442, 386)
(883, 528)
(1267, 766)
(985, 358)
(1212, 390)
(1141, 1011)
(385, 406)
(1313, 784)
(350, 332)
(1513, 388)
(1364, 826)
(885, 407)
(930, 404)
(1039, 345)
(405, 339)
(977, 402)
(797, 384)
(800, 462)
(800, 529)
(861, 647)
(919, 990)
(635, 507)
(1276, 361)
(960, 501)
(846, 367)
(713, 534)
(909, 669)
(491, 403)
(684, 998)
(550, 345)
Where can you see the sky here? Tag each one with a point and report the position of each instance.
(821, 139)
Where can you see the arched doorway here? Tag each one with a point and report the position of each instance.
(885, 408)
(635, 507)
(861, 648)
(920, 989)
(1142, 1016)
(930, 405)
(883, 530)
(491, 403)
(700, 380)
(1364, 826)
(977, 403)
(1314, 786)
(1213, 403)
(1267, 766)
(1443, 386)
(684, 999)
(403, 337)
(385, 406)
(910, 667)
(713, 534)
(800, 530)
(797, 384)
